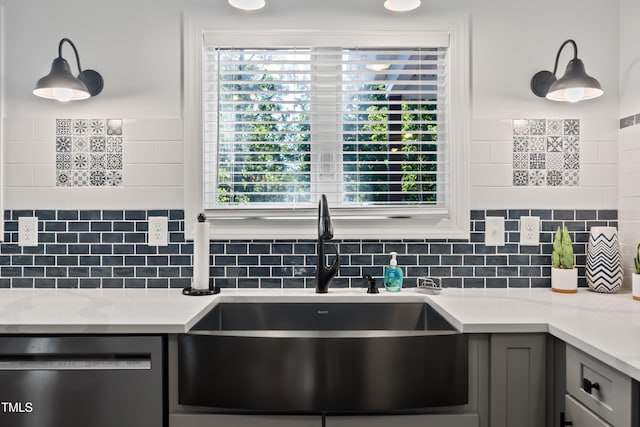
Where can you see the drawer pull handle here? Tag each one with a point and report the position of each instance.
(588, 386)
(564, 423)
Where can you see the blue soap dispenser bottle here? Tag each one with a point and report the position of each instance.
(393, 275)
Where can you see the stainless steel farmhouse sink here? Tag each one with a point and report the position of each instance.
(323, 357)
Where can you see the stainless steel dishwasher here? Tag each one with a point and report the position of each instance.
(80, 381)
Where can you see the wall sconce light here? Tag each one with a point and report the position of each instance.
(401, 5)
(247, 4)
(576, 85)
(61, 85)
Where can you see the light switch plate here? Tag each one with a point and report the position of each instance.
(529, 230)
(28, 231)
(494, 231)
(158, 234)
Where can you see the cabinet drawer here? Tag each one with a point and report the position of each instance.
(599, 387)
(581, 416)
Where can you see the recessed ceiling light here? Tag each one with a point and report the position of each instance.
(247, 4)
(401, 5)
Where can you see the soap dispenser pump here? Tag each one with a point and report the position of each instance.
(393, 275)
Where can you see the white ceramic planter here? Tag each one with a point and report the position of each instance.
(564, 280)
(635, 286)
(604, 266)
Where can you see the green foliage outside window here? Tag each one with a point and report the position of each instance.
(267, 159)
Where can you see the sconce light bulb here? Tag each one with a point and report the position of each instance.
(574, 94)
(62, 94)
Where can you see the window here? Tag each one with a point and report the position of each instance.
(364, 126)
(369, 124)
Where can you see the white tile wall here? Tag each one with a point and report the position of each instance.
(169, 152)
(152, 168)
(18, 175)
(27, 152)
(491, 166)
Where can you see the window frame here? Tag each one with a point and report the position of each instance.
(422, 222)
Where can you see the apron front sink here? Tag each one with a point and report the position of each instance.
(323, 357)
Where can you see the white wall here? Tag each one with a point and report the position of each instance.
(629, 138)
(136, 45)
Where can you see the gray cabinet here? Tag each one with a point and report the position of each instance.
(243, 420)
(518, 380)
(597, 394)
(431, 420)
(580, 416)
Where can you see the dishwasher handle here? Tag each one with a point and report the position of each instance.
(94, 362)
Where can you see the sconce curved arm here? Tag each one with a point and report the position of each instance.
(75, 51)
(575, 53)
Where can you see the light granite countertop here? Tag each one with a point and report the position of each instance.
(605, 326)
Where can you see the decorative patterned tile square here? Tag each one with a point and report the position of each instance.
(538, 178)
(63, 127)
(63, 143)
(571, 161)
(80, 127)
(97, 162)
(555, 161)
(520, 127)
(98, 144)
(88, 152)
(546, 152)
(520, 177)
(97, 178)
(571, 178)
(80, 178)
(114, 161)
(520, 160)
(555, 127)
(537, 127)
(114, 178)
(80, 161)
(554, 178)
(114, 144)
(63, 161)
(570, 144)
(554, 144)
(63, 179)
(79, 144)
(98, 127)
(114, 127)
(521, 144)
(537, 161)
(572, 127)
(538, 144)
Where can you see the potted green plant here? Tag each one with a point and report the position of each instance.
(635, 277)
(564, 275)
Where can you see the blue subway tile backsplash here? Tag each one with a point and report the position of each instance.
(107, 249)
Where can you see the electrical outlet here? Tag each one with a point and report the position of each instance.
(494, 231)
(529, 230)
(158, 234)
(28, 231)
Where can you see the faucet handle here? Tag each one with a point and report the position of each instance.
(372, 285)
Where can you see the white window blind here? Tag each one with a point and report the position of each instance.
(365, 126)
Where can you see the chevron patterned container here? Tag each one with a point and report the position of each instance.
(604, 266)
